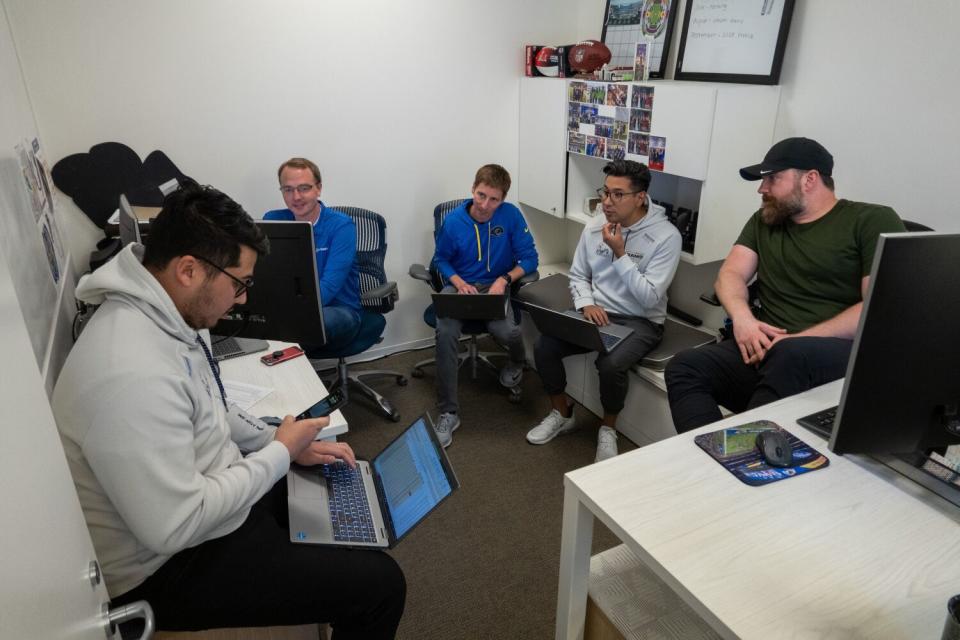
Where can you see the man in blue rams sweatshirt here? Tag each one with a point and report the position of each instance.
(335, 239)
(483, 247)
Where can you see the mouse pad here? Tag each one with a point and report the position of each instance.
(735, 448)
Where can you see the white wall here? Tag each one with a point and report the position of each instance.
(398, 102)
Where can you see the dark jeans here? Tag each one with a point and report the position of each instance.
(613, 368)
(256, 577)
(699, 380)
(340, 325)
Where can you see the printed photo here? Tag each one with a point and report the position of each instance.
(658, 152)
(639, 144)
(615, 150)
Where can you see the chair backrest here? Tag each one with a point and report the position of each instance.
(371, 253)
(440, 213)
(912, 226)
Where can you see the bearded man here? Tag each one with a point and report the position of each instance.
(811, 254)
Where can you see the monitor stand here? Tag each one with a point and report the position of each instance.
(911, 466)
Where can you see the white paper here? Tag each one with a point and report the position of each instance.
(245, 395)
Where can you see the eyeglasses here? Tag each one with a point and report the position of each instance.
(239, 286)
(615, 196)
(302, 189)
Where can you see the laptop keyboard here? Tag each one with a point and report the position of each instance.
(609, 340)
(225, 347)
(820, 422)
(349, 509)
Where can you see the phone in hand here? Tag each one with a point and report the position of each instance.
(277, 357)
(336, 399)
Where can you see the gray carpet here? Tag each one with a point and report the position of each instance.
(485, 564)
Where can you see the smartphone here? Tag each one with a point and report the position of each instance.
(281, 356)
(325, 407)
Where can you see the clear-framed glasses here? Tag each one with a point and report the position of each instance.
(302, 189)
(615, 196)
(239, 286)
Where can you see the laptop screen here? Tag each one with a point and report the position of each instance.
(412, 477)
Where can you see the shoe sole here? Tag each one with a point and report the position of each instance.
(555, 434)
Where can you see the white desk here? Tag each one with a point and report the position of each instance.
(296, 387)
(850, 551)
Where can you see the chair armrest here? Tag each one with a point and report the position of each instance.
(419, 272)
(527, 278)
(386, 290)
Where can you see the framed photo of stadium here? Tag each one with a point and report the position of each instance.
(628, 22)
(734, 41)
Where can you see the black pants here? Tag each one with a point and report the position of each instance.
(255, 577)
(699, 380)
(612, 367)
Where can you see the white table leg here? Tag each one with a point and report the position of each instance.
(575, 544)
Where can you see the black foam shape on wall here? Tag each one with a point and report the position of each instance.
(95, 180)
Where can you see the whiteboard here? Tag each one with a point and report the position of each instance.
(734, 40)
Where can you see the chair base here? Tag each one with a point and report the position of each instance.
(476, 358)
(346, 381)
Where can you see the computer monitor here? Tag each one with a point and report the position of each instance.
(128, 223)
(284, 303)
(902, 386)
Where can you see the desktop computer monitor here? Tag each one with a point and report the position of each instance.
(902, 387)
(284, 303)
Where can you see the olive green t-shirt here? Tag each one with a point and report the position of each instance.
(808, 273)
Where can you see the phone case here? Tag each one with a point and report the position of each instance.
(288, 354)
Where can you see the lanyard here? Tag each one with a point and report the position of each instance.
(215, 368)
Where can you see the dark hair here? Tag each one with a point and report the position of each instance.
(202, 222)
(827, 181)
(493, 175)
(637, 172)
(301, 163)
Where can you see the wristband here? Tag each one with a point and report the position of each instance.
(507, 277)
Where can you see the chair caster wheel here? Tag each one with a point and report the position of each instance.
(515, 397)
(402, 381)
(395, 416)
(416, 373)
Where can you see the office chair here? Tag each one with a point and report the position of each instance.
(378, 296)
(472, 329)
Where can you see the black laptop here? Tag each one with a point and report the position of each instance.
(478, 306)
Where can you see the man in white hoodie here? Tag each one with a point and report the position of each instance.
(178, 486)
(621, 270)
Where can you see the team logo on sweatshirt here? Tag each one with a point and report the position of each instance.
(496, 231)
(602, 250)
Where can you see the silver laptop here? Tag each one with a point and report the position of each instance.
(574, 328)
(377, 503)
(226, 347)
(480, 306)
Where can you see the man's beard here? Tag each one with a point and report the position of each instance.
(776, 212)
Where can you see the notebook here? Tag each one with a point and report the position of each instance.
(572, 327)
(479, 306)
(377, 503)
(224, 348)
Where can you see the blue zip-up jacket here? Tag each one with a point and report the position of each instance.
(335, 239)
(481, 253)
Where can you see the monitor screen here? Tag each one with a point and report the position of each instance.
(902, 386)
(284, 303)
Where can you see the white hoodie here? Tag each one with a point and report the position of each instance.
(635, 284)
(154, 455)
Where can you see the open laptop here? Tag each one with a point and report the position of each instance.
(571, 326)
(480, 306)
(379, 502)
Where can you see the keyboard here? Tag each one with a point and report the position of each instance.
(820, 422)
(225, 348)
(609, 340)
(349, 509)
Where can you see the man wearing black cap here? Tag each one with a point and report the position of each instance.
(811, 254)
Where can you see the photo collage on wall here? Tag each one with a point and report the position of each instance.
(602, 123)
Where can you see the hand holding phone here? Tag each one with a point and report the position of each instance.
(277, 357)
(336, 399)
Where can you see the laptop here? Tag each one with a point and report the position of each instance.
(574, 328)
(480, 306)
(379, 502)
(226, 347)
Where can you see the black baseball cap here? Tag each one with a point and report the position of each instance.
(792, 153)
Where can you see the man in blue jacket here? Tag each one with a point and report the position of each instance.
(483, 247)
(335, 238)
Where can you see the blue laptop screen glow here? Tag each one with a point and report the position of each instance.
(412, 477)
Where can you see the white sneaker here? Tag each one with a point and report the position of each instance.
(551, 426)
(445, 427)
(511, 374)
(606, 444)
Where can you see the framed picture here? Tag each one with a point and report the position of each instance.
(627, 22)
(734, 41)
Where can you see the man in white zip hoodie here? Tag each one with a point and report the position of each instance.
(621, 270)
(178, 486)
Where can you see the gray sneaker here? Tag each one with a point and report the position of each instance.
(511, 374)
(606, 444)
(445, 427)
(551, 426)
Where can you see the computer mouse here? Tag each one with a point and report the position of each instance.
(775, 448)
(273, 421)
